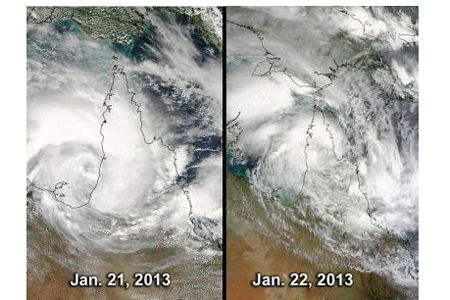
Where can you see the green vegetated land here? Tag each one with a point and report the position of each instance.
(125, 24)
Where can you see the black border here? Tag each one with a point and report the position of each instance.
(224, 152)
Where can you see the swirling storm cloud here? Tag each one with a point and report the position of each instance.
(323, 124)
(124, 133)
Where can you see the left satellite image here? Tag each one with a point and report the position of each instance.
(124, 152)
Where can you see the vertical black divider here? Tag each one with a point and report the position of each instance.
(224, 151)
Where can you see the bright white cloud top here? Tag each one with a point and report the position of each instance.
(124, 137)
(326, 132)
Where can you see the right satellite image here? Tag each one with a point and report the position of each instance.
(322, 152)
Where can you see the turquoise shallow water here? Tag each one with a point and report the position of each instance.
(68, 26)
(236, 168)
(322, 126)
